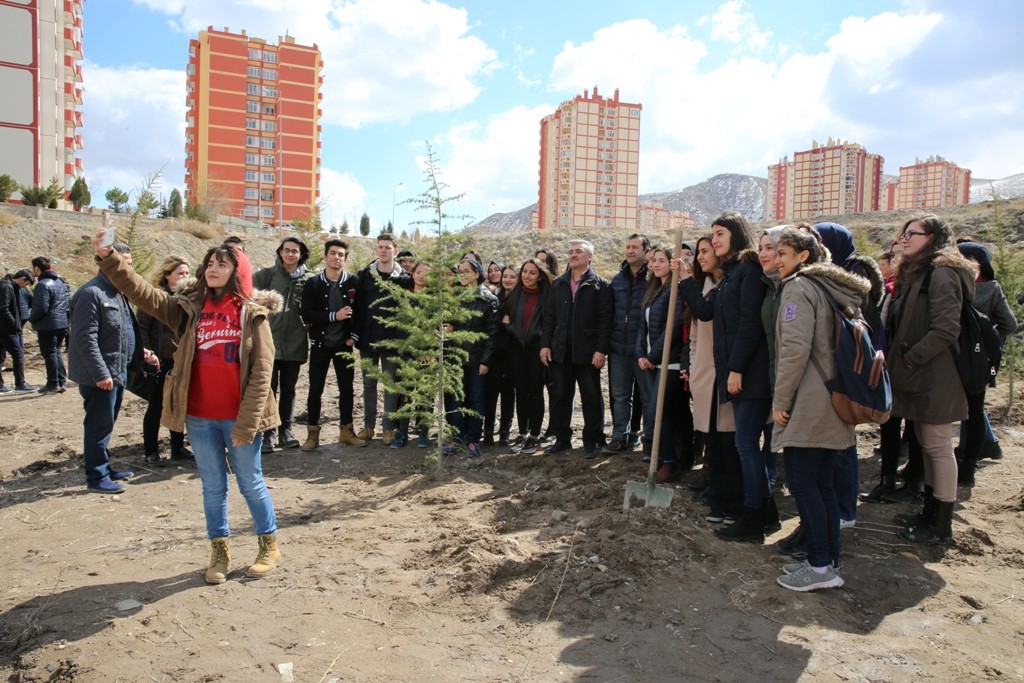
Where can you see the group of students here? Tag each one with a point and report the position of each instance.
(754, 346)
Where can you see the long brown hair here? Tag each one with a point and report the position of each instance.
(234, 283)
(910, 268)
(654, 284)
(543, 283)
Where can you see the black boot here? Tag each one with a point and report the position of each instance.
(925, 516)
(886, 485)
(749, 528)
(908, 493)
(939, 532)
(965, 472)
(794, 545)
(770, 516)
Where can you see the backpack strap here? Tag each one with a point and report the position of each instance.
(838, 311)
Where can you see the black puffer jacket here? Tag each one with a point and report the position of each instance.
(371, 307)
(485, 321)
(627, 308)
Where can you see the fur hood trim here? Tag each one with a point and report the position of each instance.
(748, 255)
(842, 278)
(965, 268)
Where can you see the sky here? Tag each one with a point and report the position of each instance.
(726, 87)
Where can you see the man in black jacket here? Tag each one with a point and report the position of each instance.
(371, 310)
(574, 346)
(10, 333)
(328, 308)
(49, 319)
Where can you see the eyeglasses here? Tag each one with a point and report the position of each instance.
(290, 251)
(909, 234)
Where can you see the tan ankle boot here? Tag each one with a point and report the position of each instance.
(365, 433)
(220, 558)
(267, 558)
(312, 438)
(348, 437)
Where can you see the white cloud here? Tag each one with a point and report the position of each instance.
(342, 197)
(732, 25)
(134, 122)
(383, 61)
(870, 47)
(495, 163)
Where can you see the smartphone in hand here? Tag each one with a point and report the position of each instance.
(108, 237)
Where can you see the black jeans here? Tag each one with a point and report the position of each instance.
(50, 342)
(151, 420)
(528, 373)
(564, 379)
(11, 343)
(499, 384)
(284, 378)
(320, 359)
(975, 432)
(722, 460)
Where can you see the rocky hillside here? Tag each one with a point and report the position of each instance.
(726, 191)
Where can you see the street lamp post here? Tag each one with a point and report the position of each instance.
(393, 191)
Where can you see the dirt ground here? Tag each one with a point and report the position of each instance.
(510, 568)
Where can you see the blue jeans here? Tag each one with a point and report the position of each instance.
(474, 388)
(669, 422)
(751, 416)
(210, 439)
(810, 475)
(50, 343)
(623, 375)
(847, 483)
(101, 410)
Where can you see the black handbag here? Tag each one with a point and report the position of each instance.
(145, 383)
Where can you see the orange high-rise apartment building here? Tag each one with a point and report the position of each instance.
(589, 161)
(929, 184)
(654, 217)
(253, 133)
(835, 178)
(41, 91)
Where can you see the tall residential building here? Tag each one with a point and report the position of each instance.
(834, 178)
(589, 161)
(654, 218)
(41, 86)
(932, 183)
(252, 142)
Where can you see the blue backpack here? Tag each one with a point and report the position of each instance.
(861, 392)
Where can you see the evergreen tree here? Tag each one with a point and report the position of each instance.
(309, 229)
(423, 318)
(344, 227)
(364, 225)
(117, 198)
(8, 186)
(40, 195)
(405, 236)
(390, 228)
(174, 207)
(80, 195)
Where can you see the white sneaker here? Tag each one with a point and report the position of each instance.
(847, 523)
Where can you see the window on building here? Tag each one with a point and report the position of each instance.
(269, 56)
(270, 126)
(268, 160)
(269, 91)
(250, 176)
(252, 88)
(254, 72)
(250, 158)
(252, 141)
(251, 211)
(270, 74)
(252, 124)
(255, 53)
(267, 177)
(267, 195)
(252, 107)
(268, 212)
(250, 193)
(634, 112)
(268, 143)
(270, 109)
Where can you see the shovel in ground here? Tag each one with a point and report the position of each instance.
(648, 492)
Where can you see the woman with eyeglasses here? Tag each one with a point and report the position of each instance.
(932, 282)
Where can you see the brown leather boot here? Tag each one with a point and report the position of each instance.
(348, 437)
(220, 558)
(312, 438)
(267, 558)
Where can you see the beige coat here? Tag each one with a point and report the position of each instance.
(257, 411)
(925, 385)
(702, 375)
(805, 328)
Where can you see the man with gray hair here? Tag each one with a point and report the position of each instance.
(575, 340)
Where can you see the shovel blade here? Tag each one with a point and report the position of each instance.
(646, 494)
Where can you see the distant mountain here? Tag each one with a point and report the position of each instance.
(1010, 187)
(733, 192)
(723, 192)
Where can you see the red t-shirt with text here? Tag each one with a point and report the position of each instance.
(215, 390)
